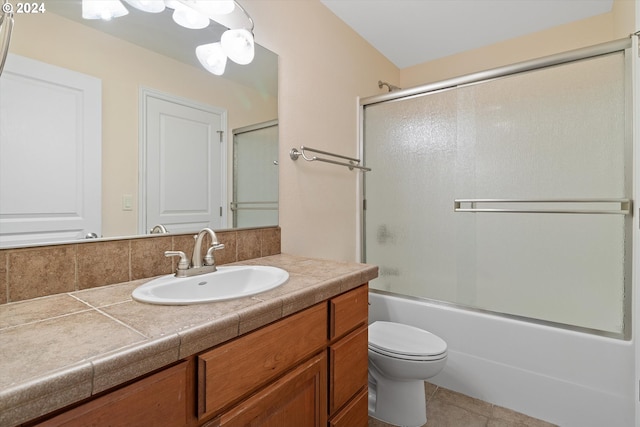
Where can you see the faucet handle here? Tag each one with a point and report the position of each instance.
(183, 264)
(208, 258)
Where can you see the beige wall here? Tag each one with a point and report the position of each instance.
(123, 68)
(324, 67)
(599, 29)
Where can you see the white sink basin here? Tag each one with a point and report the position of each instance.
(226, 283)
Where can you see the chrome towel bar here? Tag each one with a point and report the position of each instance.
(250, 206)
(625, 206)
(353, 163)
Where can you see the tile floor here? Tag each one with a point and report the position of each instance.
(446, 408)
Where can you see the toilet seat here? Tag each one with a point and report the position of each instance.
(405, 342)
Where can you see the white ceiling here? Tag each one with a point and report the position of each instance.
(410, 32)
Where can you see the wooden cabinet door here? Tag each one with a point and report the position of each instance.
(355, 414)
(159, 400)
(298, 399)
(348, 369)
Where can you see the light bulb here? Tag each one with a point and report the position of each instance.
(103, 9)
(219, 7)
(212, 7)
(238, 45)
(187, 17)
(212, 57)
(151, 6)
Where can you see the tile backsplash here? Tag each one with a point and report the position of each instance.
(27, 273)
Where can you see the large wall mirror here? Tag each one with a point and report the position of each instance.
(136, 54)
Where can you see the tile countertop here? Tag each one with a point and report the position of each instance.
(60, 349)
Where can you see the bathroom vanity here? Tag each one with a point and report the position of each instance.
(293, 356)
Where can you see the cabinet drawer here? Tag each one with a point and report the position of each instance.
(158, 400)
(348, 368)
(348, 311)
(355, 414)
(240, 367)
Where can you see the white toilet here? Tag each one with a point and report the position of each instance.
(401, 358)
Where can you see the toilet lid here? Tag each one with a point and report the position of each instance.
(399, 339)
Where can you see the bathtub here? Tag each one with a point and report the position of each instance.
(564, 377)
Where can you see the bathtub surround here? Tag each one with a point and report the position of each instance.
(27, 273)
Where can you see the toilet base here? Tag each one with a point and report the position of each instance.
(400, 403)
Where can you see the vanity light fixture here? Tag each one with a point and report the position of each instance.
(151, 6)
(186, 16)
(212, 7)
(212, 57)
(236, 43)
(103, 9)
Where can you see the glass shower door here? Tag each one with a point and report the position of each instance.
(556, 136)
(255, 175)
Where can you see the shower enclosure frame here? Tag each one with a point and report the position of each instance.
(257, 206)
(631, 223)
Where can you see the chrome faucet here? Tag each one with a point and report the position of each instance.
(198, 265)
(159, 229)
(196, 261)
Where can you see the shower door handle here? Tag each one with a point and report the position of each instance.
(587, 206)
